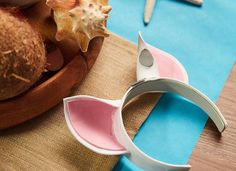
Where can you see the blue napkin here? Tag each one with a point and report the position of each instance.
(203, 39)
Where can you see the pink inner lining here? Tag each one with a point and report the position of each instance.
(92, 120)
(167, 66)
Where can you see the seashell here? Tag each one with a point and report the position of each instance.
(81, 20)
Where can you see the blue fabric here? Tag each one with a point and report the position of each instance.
(203, 39)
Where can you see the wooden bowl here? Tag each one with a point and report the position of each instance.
(53, 86)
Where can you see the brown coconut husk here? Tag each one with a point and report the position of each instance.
(22, 55)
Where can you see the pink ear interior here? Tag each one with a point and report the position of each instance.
(168, 66)
(92, 120)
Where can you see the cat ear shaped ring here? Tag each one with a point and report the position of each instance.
(97, 123)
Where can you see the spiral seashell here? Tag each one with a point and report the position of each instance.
(81, 20)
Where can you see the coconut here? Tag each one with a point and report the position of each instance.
(22, 55)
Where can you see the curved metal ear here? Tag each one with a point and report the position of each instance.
(90, 120)
(155, 63)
